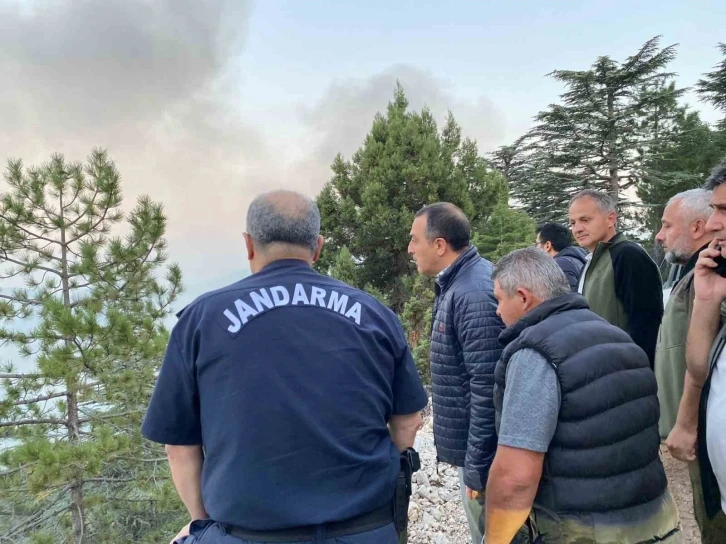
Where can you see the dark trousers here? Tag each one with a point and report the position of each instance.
(209, 532)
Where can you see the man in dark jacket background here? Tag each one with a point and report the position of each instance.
(556, 239)
(464, 349)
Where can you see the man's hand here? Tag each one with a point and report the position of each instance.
(184, 532)
(709, 286)
(471, 494)
(681, 442)
(706, 315)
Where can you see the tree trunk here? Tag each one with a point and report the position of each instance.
(612, 154)
(77, 503)
(74, 428)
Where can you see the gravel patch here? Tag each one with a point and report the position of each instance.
(435, 513)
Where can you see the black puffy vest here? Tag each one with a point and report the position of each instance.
(604, 455)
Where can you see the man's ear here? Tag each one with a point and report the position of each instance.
(698, 229)
(613, 218)
(547, 246)
(440, 244)
(523, 295)
(250, 244)
(319, 249)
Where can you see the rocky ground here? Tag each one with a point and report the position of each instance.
(680, 485)
(436, 515)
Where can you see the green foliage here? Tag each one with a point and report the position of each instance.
(599, 136)
(416, 317)
(344, 267)
(89, 314)
(506, 230)
(370, 202)
(368, 206)
(712, 88)
(681, 161)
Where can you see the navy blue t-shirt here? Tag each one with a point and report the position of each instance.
(288, 379)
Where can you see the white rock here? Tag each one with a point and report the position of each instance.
(421, 479)
(437, 513)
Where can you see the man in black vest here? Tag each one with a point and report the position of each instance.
(577, 418)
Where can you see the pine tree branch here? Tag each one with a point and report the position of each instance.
(79, 190)
(123, 499)
(22, 301)
(20, 422)
(155, 460)
(8, 276)
(40, 399)
(36, 267)
(140, 265)
(109, 480)
(107, 416)
(40, 251)
(85, 212)
(20, 376)
(37, 519)
(29, 232)
(18, 469)
(93, 226)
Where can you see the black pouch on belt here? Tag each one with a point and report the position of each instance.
(410, 463)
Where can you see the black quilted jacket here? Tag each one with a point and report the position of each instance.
(464, 352)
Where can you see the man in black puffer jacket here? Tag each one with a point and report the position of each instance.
(577, 420)
(464, 349)
(556, 239)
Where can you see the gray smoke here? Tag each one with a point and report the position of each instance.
(153, 82)
(340, 121)
(88, 66)
(159, 85)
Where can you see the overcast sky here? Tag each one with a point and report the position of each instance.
(204, 104)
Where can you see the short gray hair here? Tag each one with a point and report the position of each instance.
(284, 217)
(695, 204)
(604, 201)
(531, 269)
(717, 177)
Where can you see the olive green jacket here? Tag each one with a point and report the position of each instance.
(622, 284)
(670, 350)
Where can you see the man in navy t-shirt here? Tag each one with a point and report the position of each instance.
(285, 399)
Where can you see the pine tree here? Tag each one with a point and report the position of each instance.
(712, 88)
(344, 268)
(682, 160)
(599, 136)
(416, 318)
(370, 202)
(368, 206)
(506, 231)
(543, 193)
(88, 315)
